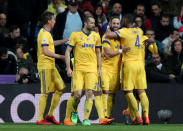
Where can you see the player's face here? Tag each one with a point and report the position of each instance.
(115, 24)
(52, 22)
(91, 24)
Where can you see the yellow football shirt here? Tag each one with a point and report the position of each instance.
(45, 39)
(133, 38)
(84, 45)
(111, 64)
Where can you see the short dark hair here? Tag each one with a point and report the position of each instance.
(114, 17)
(172, 46)
(13, 27)
(130, 17)
(165, 16)
(3, 51)
(46, 16)
(86, 18)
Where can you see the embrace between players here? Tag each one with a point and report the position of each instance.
(121, 54)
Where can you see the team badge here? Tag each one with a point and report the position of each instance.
(81, 37)
(87, 38)
(44, 40)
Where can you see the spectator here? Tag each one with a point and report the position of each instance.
(178, 22)
(176, 59)
(164, 29)
(64, 27)
(88, 13)
(84, 4)
(8, 63)
(56, 6)
(140, 10)
(116, 11)
(150, 33)
(156, 15)
(167, 42)
(3, 29)
(100, 16)
(157, 71)
(139, 20)
(26, 69)
(10, 41)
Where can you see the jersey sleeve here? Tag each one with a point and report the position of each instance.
(72, 40)
(98, 41)
(44, 39)
(105, 42)
(121, 33)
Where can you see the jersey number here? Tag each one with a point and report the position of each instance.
(137, 42)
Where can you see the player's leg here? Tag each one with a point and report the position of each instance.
(69, 109)
(88, 106)
(77, 87)
(59, 86)
(105, 91)
(45, 76)
(141, 85)
(130, 73)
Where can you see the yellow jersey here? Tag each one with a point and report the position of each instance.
(133, 38)
(84, 45)
(45, 39)
(111, 64)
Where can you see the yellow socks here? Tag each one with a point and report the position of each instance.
(132, 102)
(42, 106)
(54, 102)
(145, 103)
(99, 107)
(88, 107)
(69, 109)
(105, 101)
(110, 104)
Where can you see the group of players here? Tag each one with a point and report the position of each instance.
(120, 54)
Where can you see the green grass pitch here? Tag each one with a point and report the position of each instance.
(94, 127)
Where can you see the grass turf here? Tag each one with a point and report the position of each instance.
(94, 127)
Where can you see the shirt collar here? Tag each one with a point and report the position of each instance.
(70, 13)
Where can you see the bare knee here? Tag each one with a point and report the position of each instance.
(77, 95)
(88, 93)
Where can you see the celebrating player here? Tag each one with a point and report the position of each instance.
(49, 76)
(86, 45)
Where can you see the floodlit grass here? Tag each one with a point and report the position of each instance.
(94, 127)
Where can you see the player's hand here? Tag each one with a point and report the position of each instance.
(126, 49)
(148, 41)
(105, 56)
(65, 40)
(69, 73)
(99, 72)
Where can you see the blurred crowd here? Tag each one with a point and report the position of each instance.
(161, 20)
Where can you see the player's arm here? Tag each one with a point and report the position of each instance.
(111, 53)
(48, 53)
(151, 45)
(109, 34)
(67, 60)
(98, 52)
(60, 42)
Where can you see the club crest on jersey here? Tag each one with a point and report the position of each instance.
(87, 38)
(81, 37)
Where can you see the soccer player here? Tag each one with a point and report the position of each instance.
(110, 79)
(49, 76)
(86, 46)
(134, 77)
